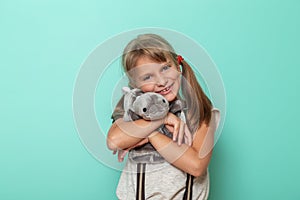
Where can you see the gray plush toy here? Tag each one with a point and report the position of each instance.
(149, 106)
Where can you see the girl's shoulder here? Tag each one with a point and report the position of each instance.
(215, 118)
(215, 111)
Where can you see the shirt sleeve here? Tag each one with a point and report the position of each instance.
(116, 116)
(118, 111)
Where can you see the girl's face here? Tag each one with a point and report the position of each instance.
(162, 78)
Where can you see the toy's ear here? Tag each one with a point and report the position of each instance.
(176, 106)
(125, 90)
(129, 98)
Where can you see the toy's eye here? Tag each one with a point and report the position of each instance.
(164, 101)
(144, 109)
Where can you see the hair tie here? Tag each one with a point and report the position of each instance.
(179, 59)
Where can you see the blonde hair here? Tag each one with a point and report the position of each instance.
(158, 49)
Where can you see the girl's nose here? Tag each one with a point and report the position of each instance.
(162, 81)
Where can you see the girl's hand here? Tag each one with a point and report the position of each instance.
(179, 129)
(122, 153)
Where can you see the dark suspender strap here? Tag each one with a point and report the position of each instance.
(188, 193)
(140, 181)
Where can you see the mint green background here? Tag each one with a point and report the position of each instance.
(43, 44)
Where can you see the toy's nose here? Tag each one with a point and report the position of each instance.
(156, 109)
(153, 109)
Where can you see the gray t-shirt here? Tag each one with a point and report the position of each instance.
(163, 181)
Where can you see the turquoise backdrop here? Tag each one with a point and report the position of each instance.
(255, 45)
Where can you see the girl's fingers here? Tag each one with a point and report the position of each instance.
(186, 140)
(181, 132)
(170, 128)
(120, 152)
(172, 121)
(121, 155)
(188, 135)
(176, 130)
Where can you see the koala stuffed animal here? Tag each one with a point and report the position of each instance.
(149, 106)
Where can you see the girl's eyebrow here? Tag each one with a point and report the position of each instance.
(166, 63)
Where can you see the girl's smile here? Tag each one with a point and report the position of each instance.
(166, 90)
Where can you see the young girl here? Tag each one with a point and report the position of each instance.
(152, 65)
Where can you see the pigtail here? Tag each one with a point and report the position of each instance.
(199, 105)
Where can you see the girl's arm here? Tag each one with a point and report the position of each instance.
(123, 135)
(191, 159)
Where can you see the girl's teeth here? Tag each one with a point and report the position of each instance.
(165, 90)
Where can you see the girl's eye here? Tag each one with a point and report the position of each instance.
(146, 78)
(166, 67)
